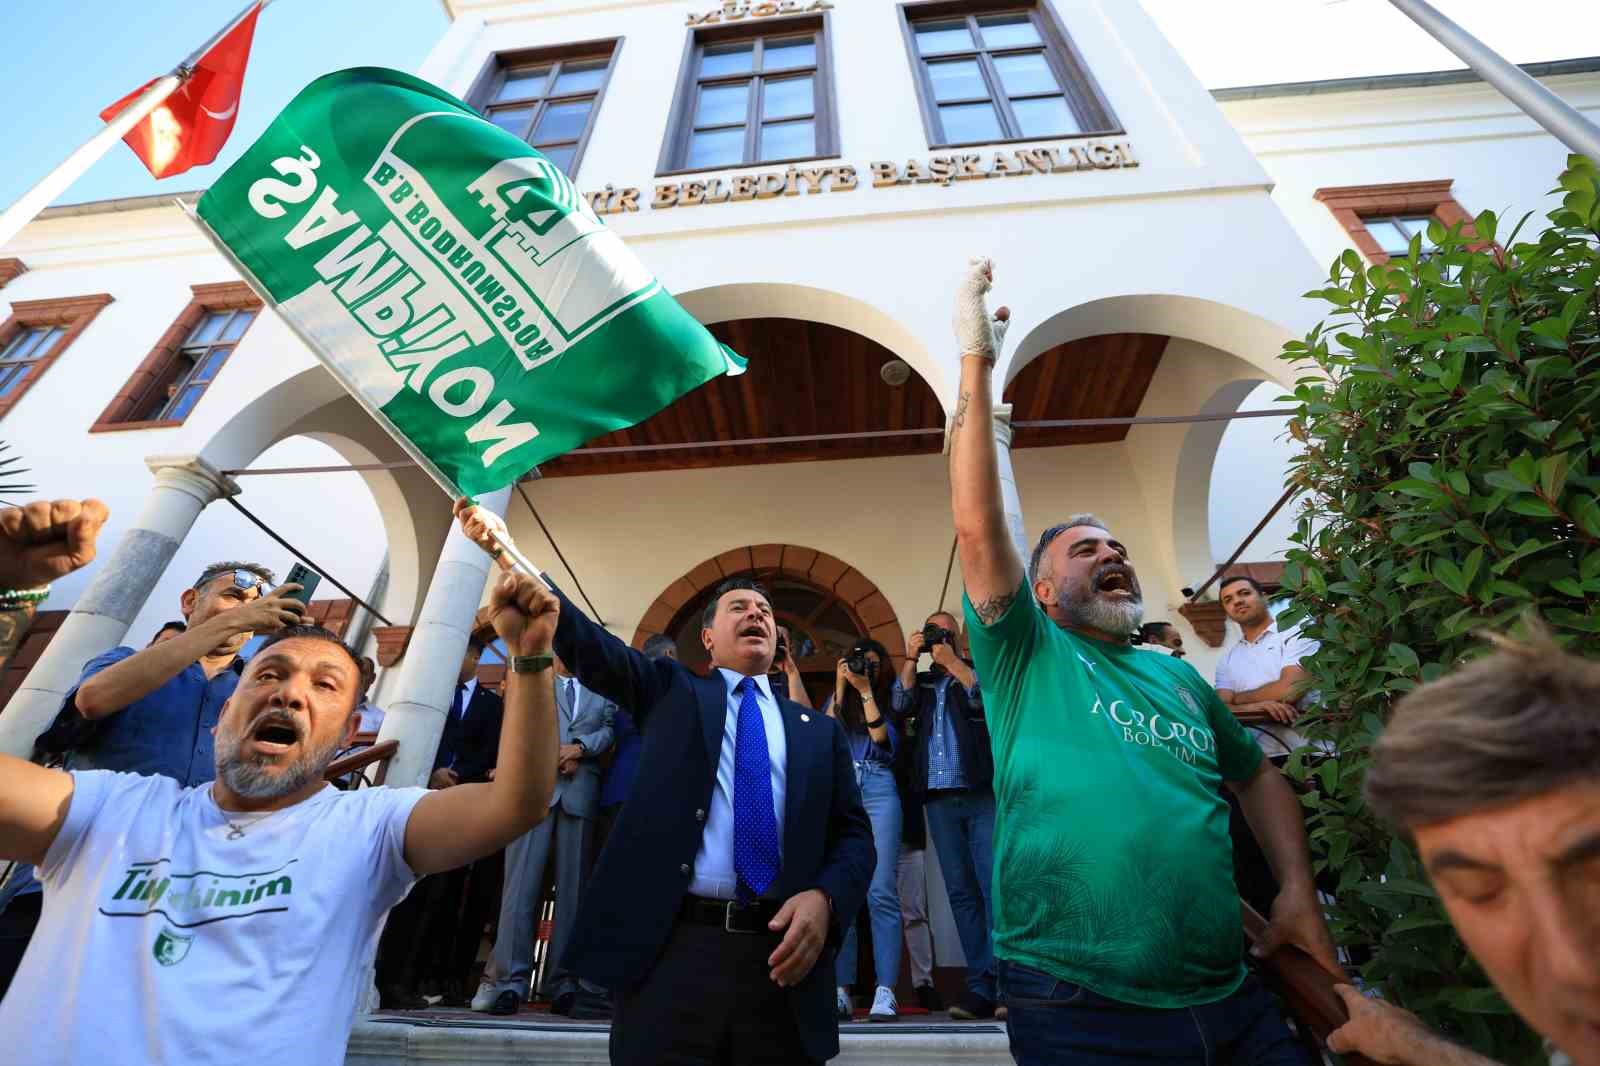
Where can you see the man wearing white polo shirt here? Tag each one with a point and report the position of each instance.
(1260, 674)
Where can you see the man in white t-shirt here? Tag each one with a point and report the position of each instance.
(1262, 672)
(235, 921)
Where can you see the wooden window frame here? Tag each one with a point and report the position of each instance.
(502, 64)
(1082, 92)
(135, 393)
(74, 313)
(1353, 205)
(824, 102)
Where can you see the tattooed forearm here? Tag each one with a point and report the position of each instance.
(959, 419)
(14, 625)
(989, 611)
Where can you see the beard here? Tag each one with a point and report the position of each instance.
(258, 779)
(1082, 606)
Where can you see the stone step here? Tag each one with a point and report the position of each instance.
(461, 1037)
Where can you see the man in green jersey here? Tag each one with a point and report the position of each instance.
(1116, 919)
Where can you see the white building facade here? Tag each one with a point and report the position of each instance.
(810, 179)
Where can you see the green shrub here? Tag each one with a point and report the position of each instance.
(1452, 463)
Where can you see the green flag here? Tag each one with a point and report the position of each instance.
(452, 278)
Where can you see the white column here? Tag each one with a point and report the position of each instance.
(185, 484)
(1010, 501)
(414, 713)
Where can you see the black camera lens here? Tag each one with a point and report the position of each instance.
(858, 663)
(932, 634)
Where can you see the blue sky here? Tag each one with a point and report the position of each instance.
(70, 58)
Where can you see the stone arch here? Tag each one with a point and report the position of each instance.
(1244, 334)
(856, 592)
(725, 303)
(311, 403)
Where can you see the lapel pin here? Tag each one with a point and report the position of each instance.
(805, 718)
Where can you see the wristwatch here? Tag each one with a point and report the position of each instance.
(532, 664)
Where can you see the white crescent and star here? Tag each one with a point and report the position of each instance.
(224, 116)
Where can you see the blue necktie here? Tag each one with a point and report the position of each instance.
(755, 827)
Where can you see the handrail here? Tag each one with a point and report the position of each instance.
(360, 760)
(1306, 986)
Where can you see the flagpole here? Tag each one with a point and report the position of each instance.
(1562, 120)
(73, 167)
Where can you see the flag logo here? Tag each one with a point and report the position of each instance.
(170, 947)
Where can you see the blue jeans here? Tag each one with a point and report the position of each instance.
(1053, 1021)
(882, 802)
(962, 827)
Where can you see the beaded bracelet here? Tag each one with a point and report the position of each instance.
(16, 599)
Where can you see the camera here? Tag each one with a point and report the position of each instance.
(932, 634)
(859, 664)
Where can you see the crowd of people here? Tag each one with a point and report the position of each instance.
(718, 846)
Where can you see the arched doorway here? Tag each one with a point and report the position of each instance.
(826, 604)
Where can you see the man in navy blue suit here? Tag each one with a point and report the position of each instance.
(716, 907)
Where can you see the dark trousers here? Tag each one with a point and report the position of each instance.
(708, 1001)
(1053, 1022)
(435, 932)
(17, 923)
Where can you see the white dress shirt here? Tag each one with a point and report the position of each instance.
(714, 876)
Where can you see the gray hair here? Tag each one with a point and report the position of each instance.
(1084, 519)
(1508, 727)
(216, 570)
(657, 645)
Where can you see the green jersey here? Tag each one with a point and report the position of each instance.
(1113, 866)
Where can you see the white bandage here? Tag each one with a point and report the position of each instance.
(977, 332)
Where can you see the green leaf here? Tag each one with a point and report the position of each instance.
(1469, 569)
(1505, 479)
(1450, 576)
(1553, 474)
(1403, 655)
(1531, 505)
(1585, 511)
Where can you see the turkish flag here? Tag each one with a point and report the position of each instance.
(191, 126)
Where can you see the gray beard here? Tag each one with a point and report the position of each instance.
(1116, 617)
(258, 781)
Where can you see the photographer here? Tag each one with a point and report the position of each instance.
(952, 768)
(860, 694)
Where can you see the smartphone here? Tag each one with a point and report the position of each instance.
(302, 575)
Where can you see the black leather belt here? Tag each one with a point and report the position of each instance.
(731, 915)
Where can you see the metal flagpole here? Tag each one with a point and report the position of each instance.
(73, 167)
(1562, 120)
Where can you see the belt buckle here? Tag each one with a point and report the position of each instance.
(727, 920)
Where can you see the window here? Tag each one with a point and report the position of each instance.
(745, 100)
(167, 385)
(548, 97)
(35, 335)
(988, 73)
(1381, 219)
(174, 394)
(1393, 233)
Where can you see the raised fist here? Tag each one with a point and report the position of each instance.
(978, 332)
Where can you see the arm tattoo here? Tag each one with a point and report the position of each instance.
(959, 419)
(990, 610)
(14, 625)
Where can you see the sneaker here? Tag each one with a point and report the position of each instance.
(928, 999)
(884, 1008)
(506, 1003)
(843, 1007)
(484, 998)
(972, 1008)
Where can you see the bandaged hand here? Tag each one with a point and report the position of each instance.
(977, 332)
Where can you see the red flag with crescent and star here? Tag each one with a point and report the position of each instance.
(190, 127)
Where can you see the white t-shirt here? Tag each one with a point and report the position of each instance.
(162, 940)
(1249, 665)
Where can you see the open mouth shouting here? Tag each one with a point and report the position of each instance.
(1117, 582)
(755, 631)
(274, 733)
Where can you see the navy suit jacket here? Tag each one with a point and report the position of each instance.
(472, 741)
(632, 900)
